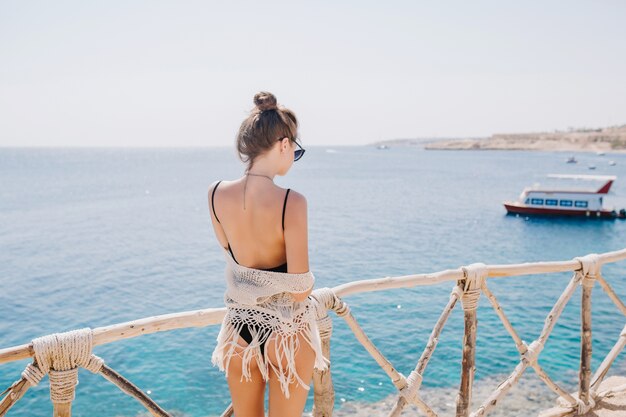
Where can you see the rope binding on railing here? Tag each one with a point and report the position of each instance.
(59, 355)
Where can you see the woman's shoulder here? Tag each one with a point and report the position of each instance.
(296, 207)
(225, 182)
(296, 198)
(222, 184)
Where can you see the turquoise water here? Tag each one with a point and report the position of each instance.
(92, 237)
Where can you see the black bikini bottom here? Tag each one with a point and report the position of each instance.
(245, 334)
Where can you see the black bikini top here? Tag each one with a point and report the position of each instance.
(279, 268)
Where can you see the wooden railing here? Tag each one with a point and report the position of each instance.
(60, 354)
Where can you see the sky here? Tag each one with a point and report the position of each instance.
(183, 73)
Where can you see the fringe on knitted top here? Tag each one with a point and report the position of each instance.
(261, 300)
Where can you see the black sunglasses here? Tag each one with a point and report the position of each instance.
(298, 152)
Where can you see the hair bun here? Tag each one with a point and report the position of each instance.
(265, 101)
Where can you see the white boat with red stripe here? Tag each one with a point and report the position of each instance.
(581, 195)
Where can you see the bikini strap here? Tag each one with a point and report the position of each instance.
(285, 205)
(213, 200)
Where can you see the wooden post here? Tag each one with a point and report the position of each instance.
(131, 389)
(63, 388)
(228, 412)
(474, 277)
(585, 340)
(494, 398)
(14, 393)
(428, 351)
(608, 361)
(590, 269)
(324, 392)
(609, 291)
(468, 365)
(62, 409)
(324, 300)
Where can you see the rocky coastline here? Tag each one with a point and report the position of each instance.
(610, 139)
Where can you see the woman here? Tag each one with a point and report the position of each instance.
(267, 335)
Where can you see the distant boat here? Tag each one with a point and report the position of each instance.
(567, 201)
(599, 153)
(611, 163)
(571, 160)
(591, 166)
(382, 147)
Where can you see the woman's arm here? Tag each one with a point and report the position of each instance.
(296, 238)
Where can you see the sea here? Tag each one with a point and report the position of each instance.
(91, 237)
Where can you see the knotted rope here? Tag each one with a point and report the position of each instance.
(328, 300)
(414, 382)
(325, 299)
(60, 355)
(532, 352)
(325, 327)
(584, 408)
(475, 275)
(590, 265)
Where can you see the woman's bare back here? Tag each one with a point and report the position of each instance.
(255, 234)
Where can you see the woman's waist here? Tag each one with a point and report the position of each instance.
(282, 303)
(279, 299)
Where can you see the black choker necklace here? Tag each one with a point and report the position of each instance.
(260, 175)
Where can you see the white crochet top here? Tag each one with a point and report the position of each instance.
(260, 299)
